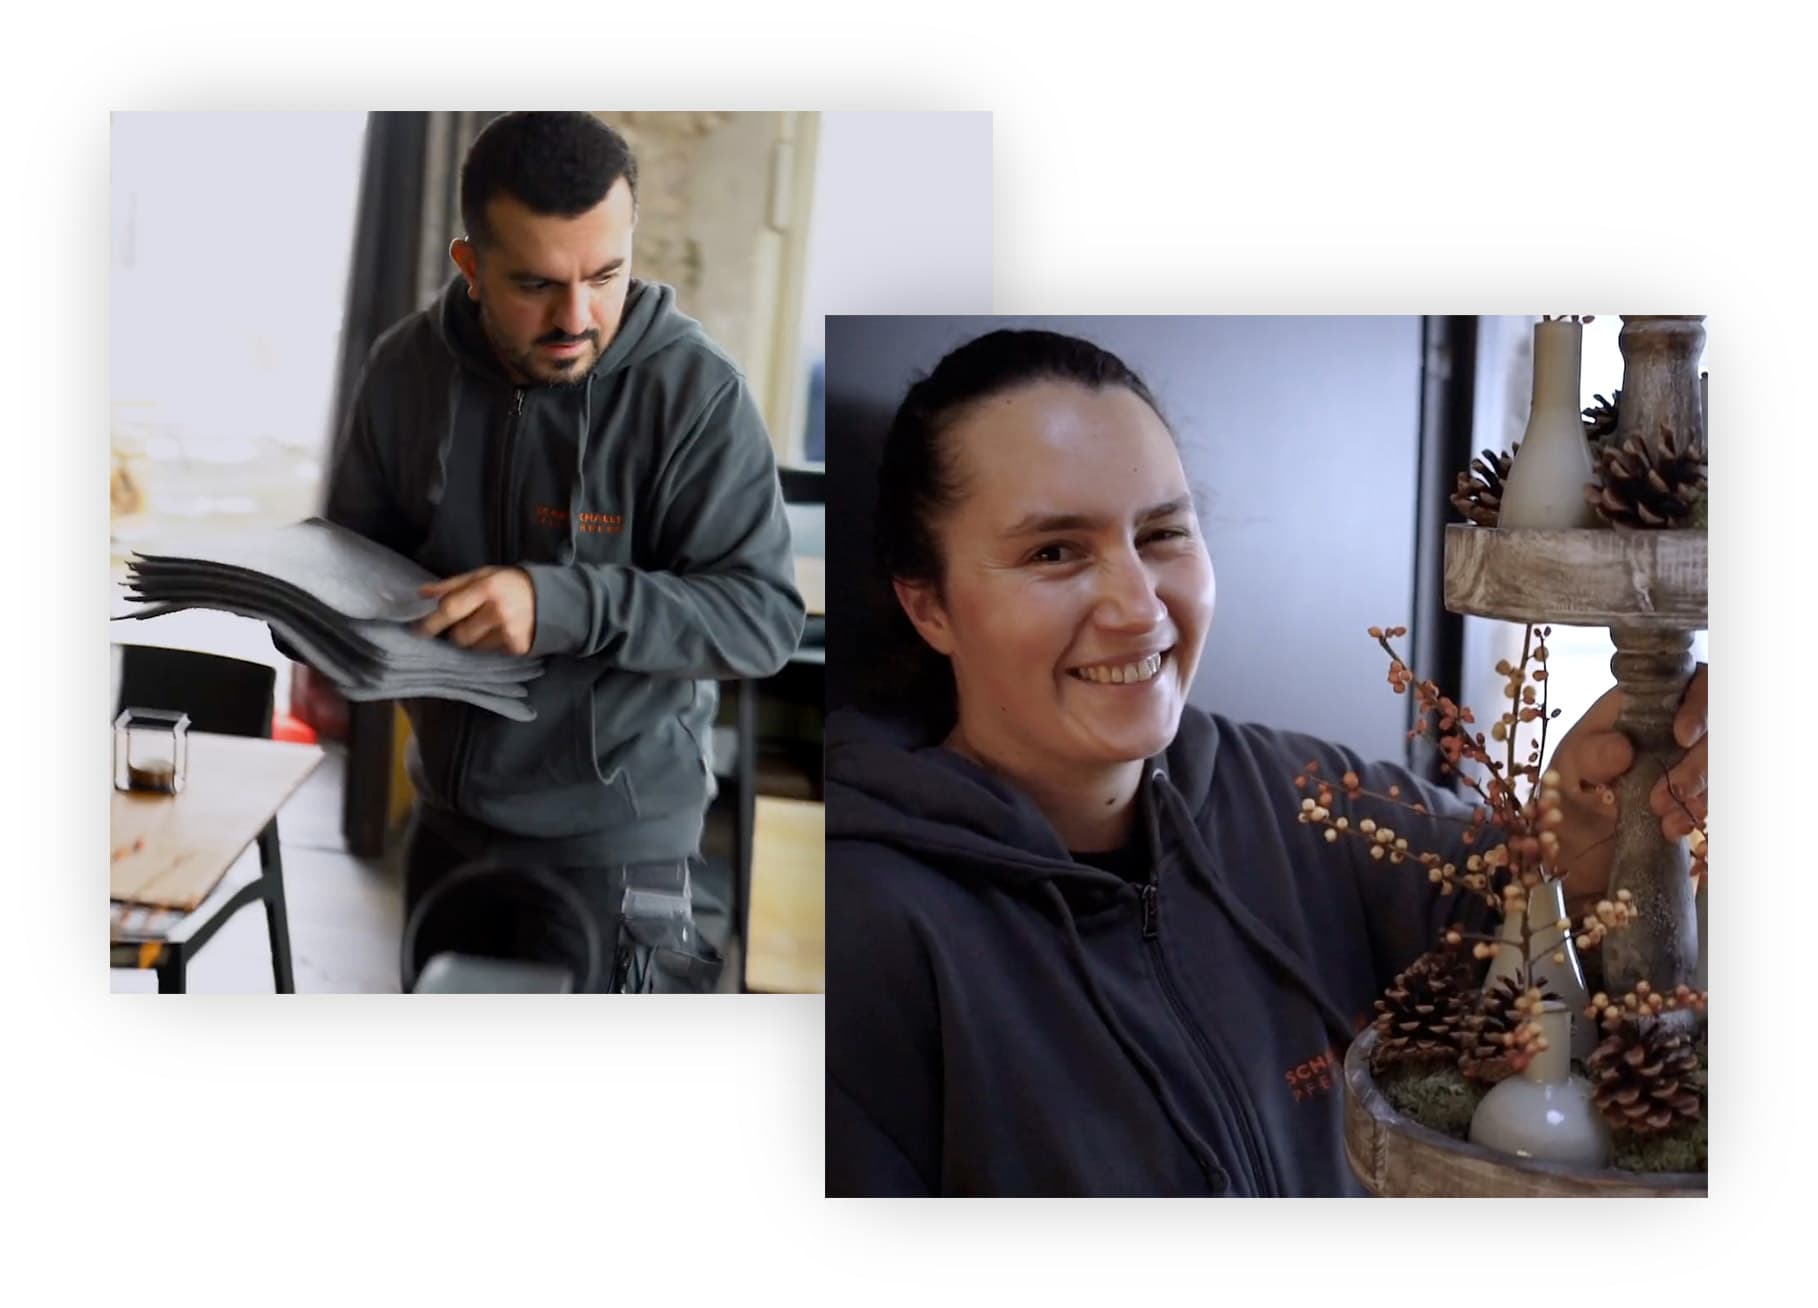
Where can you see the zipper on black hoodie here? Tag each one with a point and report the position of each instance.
(501, 550)
(1230, 1089)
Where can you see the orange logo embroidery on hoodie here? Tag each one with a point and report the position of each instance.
(1321, 1072)
(1316, 1076)
(606, 524)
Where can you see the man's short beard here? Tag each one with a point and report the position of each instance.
(526, 362)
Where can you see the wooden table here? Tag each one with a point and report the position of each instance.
(170, 852)
(786, 941)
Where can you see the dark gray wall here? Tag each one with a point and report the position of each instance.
(1300, 436)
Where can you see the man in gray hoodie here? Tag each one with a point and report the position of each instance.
(590, 475)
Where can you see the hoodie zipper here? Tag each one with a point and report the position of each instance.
(1233, 1092)
(501, 526)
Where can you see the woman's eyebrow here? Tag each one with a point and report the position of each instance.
(1038, 523)
(1179, 504)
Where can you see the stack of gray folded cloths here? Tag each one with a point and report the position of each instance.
(343, 603)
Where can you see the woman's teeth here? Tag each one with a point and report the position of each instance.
(1121, 673)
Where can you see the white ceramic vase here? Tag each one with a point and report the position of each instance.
(1544, 1112)
(1546, 482)
(1546, 909)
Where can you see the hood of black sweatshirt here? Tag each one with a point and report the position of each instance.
(888, 783)
(649, 324)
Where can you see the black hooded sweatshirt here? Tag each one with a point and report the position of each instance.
(643, 504)
(1003, 1019)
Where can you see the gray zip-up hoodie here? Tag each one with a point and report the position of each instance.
(642, 502)
(1003, 1019)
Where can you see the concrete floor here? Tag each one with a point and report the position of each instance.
(346, 913)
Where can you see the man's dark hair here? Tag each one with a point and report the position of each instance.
(919, 481)
(560, 164)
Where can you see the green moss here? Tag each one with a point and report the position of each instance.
(1439, 1098)
(1683, 1150)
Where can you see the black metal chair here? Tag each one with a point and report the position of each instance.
(231, 697)
(803, 485)
(469, 936)
(228, 696)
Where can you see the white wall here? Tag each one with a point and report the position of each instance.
(231, 236)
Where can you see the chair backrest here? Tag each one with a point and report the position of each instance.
(802, 485)
(232, 697)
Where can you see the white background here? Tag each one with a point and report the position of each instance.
(1430, 158)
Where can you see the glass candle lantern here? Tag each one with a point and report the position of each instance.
(151, 750)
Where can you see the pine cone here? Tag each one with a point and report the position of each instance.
(1484, 1055)
(1600, 418)
(1645, 1077)
(1478, 493)
(1418, 1015)
(1647, 485)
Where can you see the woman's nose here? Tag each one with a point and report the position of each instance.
(1128, 600)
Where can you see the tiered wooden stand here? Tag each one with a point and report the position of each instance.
(1649, 589)
(1396, 1156)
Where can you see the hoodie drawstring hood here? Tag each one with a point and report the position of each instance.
(641, 502)
(1267, 945)
(1202, 1152)
(438, 479)
(580, 468)
(648, 322)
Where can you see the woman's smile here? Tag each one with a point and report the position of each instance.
(1122, 672)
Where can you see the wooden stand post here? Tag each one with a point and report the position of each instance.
(1661, 946)
(1661, 390)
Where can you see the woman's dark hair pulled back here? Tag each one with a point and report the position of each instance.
(919, 481)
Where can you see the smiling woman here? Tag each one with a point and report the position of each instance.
(1066, 585)
(1077, 943)
(1085, 936)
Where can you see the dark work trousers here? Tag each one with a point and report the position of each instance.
(508, 918)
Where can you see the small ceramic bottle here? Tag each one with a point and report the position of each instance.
(1546, 481)
(1546, 910)
(1544, 1112)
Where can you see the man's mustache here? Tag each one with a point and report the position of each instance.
(559, 338)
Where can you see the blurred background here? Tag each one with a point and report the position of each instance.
(254, 259)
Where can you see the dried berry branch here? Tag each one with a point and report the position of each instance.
(1524, 807)
(1644, 1001)
(1699, 836)
(1517, 802)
